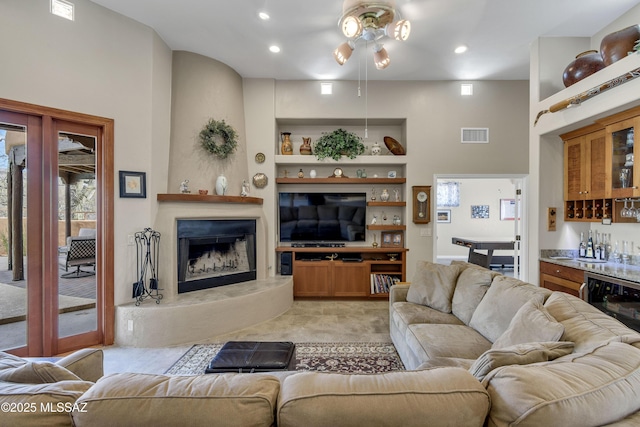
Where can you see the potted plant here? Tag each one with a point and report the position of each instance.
(338, 143)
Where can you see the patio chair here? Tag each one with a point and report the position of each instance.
(81, 253)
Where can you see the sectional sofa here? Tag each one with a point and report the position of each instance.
(480, 349)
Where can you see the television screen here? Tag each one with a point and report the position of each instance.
(322, 217)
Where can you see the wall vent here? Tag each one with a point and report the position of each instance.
(474, 135)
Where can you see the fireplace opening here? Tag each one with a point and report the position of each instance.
(215, 253)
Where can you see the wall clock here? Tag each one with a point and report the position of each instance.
(421, 204)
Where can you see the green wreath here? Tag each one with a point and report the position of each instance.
(219, 138)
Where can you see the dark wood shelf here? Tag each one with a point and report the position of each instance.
(345, 249)
(341, 180)
(386, 227)
(387, 204)
(200, 198)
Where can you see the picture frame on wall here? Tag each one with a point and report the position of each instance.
(480, 211)
(444, 215)
(392, 239)
(133, 184)
(507, 209)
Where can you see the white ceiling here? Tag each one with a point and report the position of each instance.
(498, 33)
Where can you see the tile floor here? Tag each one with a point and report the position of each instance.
(305, 321)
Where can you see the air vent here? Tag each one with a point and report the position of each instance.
(474, 135)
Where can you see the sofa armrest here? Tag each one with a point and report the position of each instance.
(398, 293)
(87, 363)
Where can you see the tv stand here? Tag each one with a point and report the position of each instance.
(346, 271)
(317, 245)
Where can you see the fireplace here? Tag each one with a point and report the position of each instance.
(215, 253)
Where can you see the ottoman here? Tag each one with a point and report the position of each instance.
(253, 356)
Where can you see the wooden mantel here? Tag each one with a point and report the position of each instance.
(200, 198)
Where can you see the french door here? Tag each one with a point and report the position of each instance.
(59, 180)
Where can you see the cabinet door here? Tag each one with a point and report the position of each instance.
(625, 179)
(561, 278)
(574, 169)
(350, 279)
(598, 182)
(312, 278)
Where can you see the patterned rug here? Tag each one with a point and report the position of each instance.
(361, 358)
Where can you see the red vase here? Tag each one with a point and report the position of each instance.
(616, 46)
(585, 64)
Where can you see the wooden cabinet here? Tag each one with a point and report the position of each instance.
(587, 189)
(560, 278)
(315, 274)
(599, 168)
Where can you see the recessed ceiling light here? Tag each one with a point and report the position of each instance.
(263, 15)
(274, 49)
(461, 49)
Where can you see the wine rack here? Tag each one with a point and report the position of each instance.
(594, 210)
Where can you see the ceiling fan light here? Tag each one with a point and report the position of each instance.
(381, 58)
(351, 26)
(343, 52)
(399, 30)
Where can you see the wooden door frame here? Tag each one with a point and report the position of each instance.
(105, 209)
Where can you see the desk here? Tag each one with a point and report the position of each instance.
(489, 245)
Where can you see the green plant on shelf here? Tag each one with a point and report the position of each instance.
(337, 144)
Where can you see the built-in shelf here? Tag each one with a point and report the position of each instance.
(401, 204)
(386, 227)
(341, 180)
(201, 198)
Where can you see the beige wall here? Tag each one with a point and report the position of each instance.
(204, 88)
(106, 65)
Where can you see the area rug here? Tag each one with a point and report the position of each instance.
(346, 357)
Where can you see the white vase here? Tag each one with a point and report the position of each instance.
(221, 185)
(312, 173)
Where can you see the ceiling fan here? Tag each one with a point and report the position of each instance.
(371, 21)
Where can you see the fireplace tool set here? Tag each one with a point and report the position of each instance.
(147, 250)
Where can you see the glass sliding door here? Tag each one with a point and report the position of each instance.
(13, 208)
(56, 223)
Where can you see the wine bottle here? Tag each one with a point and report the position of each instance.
(590, 246)
(582, 250)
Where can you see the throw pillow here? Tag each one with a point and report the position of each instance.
(519, 354)
(433, 285)
(501, 302)
(532, 323)
(37, 373)
(472, 284)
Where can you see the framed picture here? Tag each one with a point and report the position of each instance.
(392, 239)
(444, 215)
(507, 209)
(133, 184)
(480, 211)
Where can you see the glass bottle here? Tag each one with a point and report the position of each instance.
(582, 249)
(598, 247)
(590, 253)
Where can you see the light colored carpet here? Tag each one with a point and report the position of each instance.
(361, 358)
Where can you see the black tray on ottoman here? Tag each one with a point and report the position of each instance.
(253, 356)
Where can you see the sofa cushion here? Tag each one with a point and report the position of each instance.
(518, 354)
(88, 363)
(441, 362)
(51, 403)
(584, 324)
(587, 389)
(130, 399)
(501, 302)
(17, 370)
(433, 285)
(472, 284)
(532, 323)
(428, 341)
(446, 396)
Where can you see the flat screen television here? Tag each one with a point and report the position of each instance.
(322, 217)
